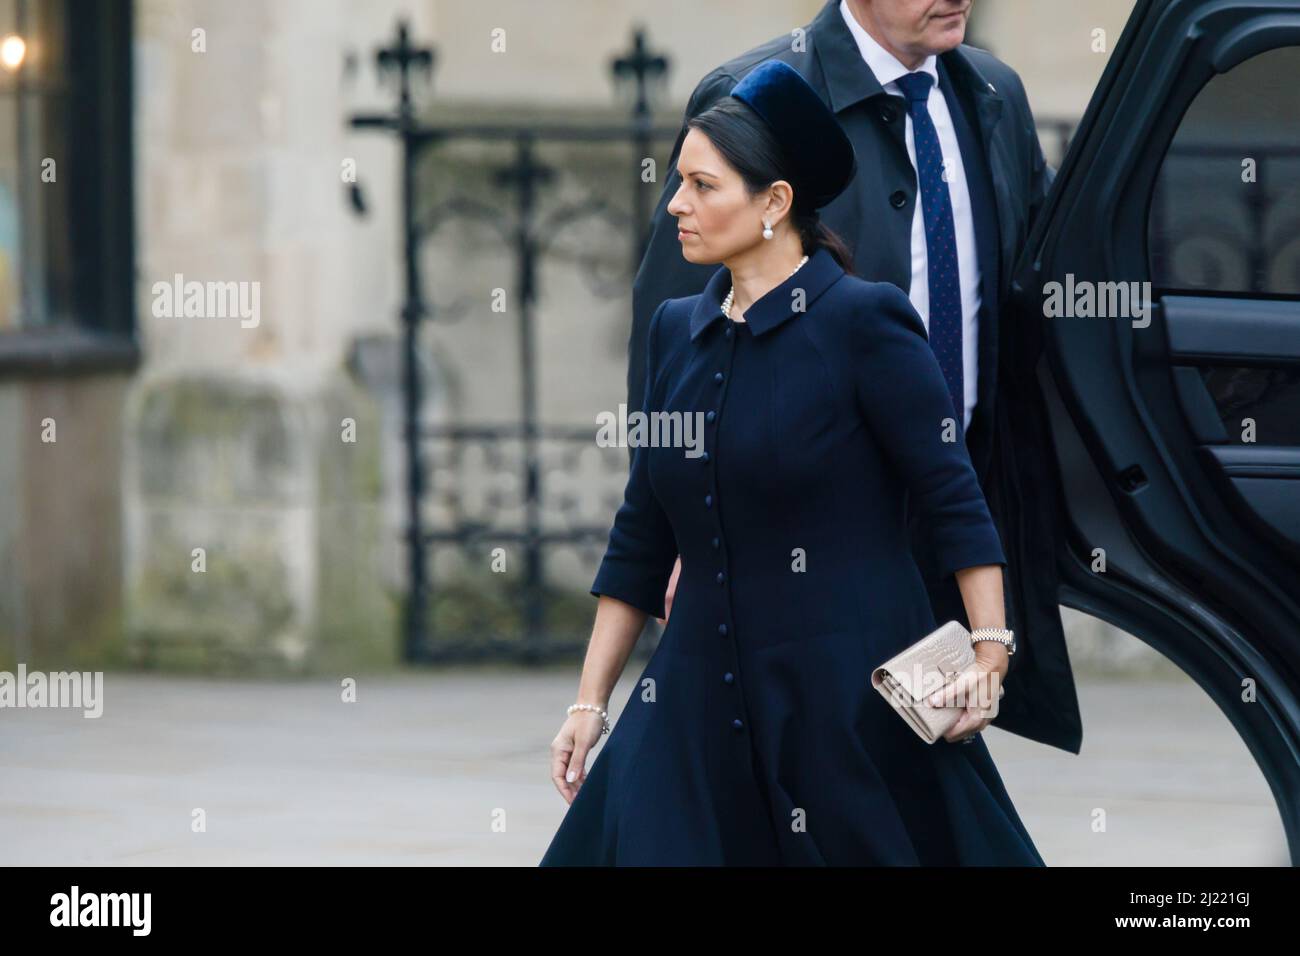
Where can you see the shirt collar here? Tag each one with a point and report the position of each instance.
(884, 65)
(774, 306)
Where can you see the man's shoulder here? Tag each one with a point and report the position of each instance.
(779, 47)
(719, 81)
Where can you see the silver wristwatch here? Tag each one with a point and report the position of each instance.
(999, 634)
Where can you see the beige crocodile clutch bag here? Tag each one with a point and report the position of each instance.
(916, 672)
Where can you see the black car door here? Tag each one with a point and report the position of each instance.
(1163, 283)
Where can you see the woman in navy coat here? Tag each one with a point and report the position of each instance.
(754, 736)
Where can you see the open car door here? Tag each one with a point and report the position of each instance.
(1163, 277)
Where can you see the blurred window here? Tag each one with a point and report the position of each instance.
(1225, 215)
(66, 267)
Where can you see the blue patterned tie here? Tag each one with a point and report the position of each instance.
(940, 241)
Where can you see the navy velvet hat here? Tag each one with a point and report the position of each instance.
(811, 137)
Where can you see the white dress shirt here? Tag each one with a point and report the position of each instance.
(887, 70)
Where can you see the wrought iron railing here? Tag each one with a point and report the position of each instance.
(512, 614)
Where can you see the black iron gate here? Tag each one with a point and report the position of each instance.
(525, 616)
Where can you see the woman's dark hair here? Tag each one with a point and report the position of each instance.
(747, 143)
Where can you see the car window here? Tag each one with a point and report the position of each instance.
(1225, 214)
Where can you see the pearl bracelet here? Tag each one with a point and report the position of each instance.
(604, 717)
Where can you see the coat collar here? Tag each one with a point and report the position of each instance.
(849, 80)
(774, 306)
(884, 65)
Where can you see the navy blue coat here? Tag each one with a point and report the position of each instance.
(754, 737)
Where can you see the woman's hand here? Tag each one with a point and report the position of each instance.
(672, 589)
(569, 751)
(976, 690)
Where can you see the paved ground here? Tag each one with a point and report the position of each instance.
(417, 770)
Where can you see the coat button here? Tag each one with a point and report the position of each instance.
(721, 577)
(704, 457)
(738, 724)
(711, 415)
(722, 629)
(899, 199)
(728, 332)
(888, 114)
(717, 543)
(708, 501)
(717, 377)
(728, 677)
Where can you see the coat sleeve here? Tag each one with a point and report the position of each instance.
(904, 398)
(642, 547)
(1041, 174)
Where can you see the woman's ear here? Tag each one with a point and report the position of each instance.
(779, 199)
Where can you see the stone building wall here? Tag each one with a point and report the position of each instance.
(257, 523)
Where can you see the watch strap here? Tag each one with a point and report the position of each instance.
(1002, 635)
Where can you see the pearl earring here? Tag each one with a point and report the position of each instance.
(767, 230)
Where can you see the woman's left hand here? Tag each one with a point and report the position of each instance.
(976, 691)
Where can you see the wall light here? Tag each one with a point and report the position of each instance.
(13, 50)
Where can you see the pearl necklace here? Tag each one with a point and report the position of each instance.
(726, 303)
